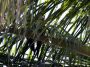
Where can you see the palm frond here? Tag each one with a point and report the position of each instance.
(33, 32)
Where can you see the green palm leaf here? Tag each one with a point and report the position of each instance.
(33, 32)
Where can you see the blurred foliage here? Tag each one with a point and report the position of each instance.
(49, 33)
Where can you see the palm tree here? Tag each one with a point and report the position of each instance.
(49, 33)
